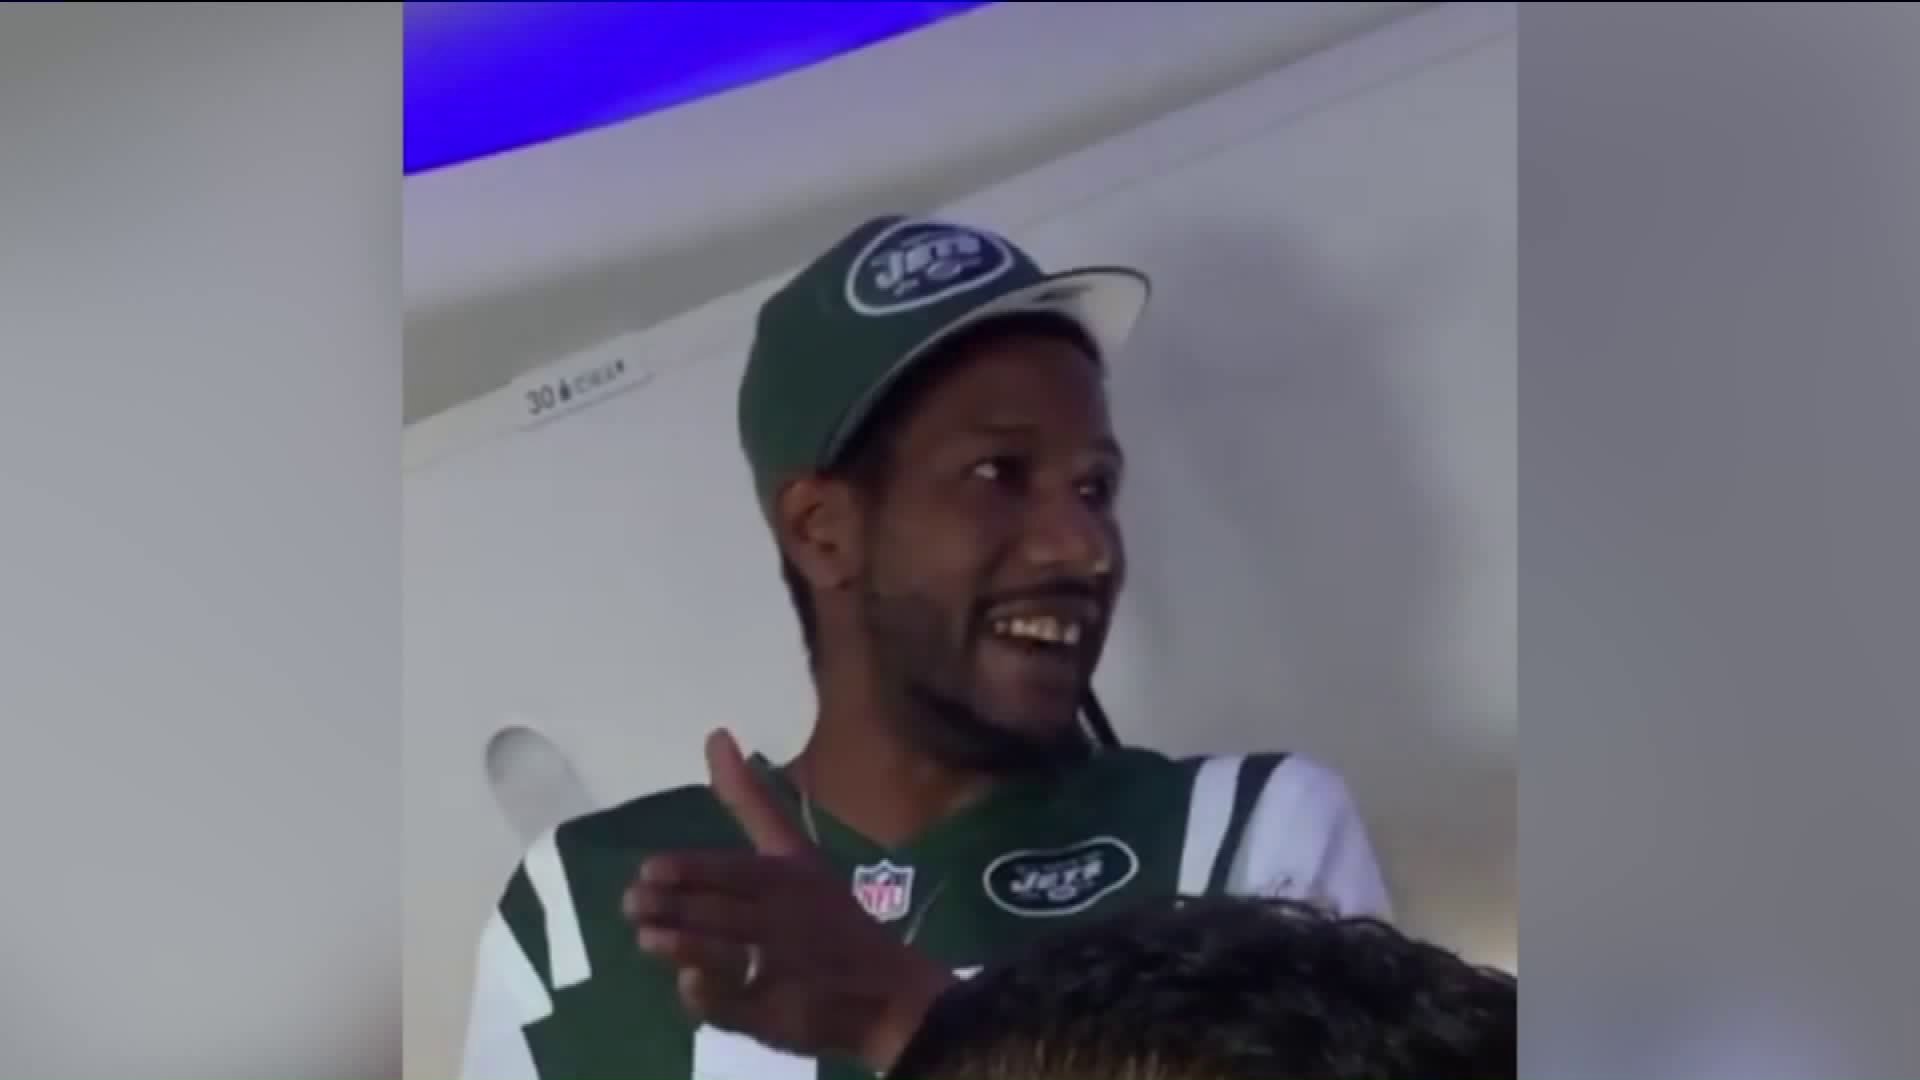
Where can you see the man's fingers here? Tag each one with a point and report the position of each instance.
(752, 805)
(712, 998)
(711, 975)
(723, 961)
(736, 873)
(708, 911)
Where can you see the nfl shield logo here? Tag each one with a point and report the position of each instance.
(885, 891)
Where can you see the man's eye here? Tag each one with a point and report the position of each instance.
(998, 470)
(1098, 490)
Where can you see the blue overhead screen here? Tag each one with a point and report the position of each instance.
(488, 78)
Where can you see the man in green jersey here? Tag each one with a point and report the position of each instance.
(925, 417)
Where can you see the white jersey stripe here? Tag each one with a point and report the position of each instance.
(1209, 813)
(507, 996)
(566, 946)
(1306, 840)
(724, 1055)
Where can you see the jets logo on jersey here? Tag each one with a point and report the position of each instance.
(1060, 881)
(915, 263)
(885, 891)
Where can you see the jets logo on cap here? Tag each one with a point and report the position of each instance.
(912, 264)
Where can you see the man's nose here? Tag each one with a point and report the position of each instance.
(1068, 536)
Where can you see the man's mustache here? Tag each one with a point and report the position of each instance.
(1065, 590)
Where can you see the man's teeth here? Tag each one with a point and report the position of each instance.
(1039, 628)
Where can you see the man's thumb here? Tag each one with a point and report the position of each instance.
(752, 805)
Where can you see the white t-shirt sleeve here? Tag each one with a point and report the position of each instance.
(1305, 840)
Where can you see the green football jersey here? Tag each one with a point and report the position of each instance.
(563, 993)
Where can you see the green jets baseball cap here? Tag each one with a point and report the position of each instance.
(832, 342)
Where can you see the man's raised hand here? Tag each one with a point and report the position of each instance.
(771, 944)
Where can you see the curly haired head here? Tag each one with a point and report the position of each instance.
(1225, 989)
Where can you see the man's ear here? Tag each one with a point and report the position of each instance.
(817, 520)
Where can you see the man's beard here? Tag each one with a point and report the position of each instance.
(954, 733)
(940, 715)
